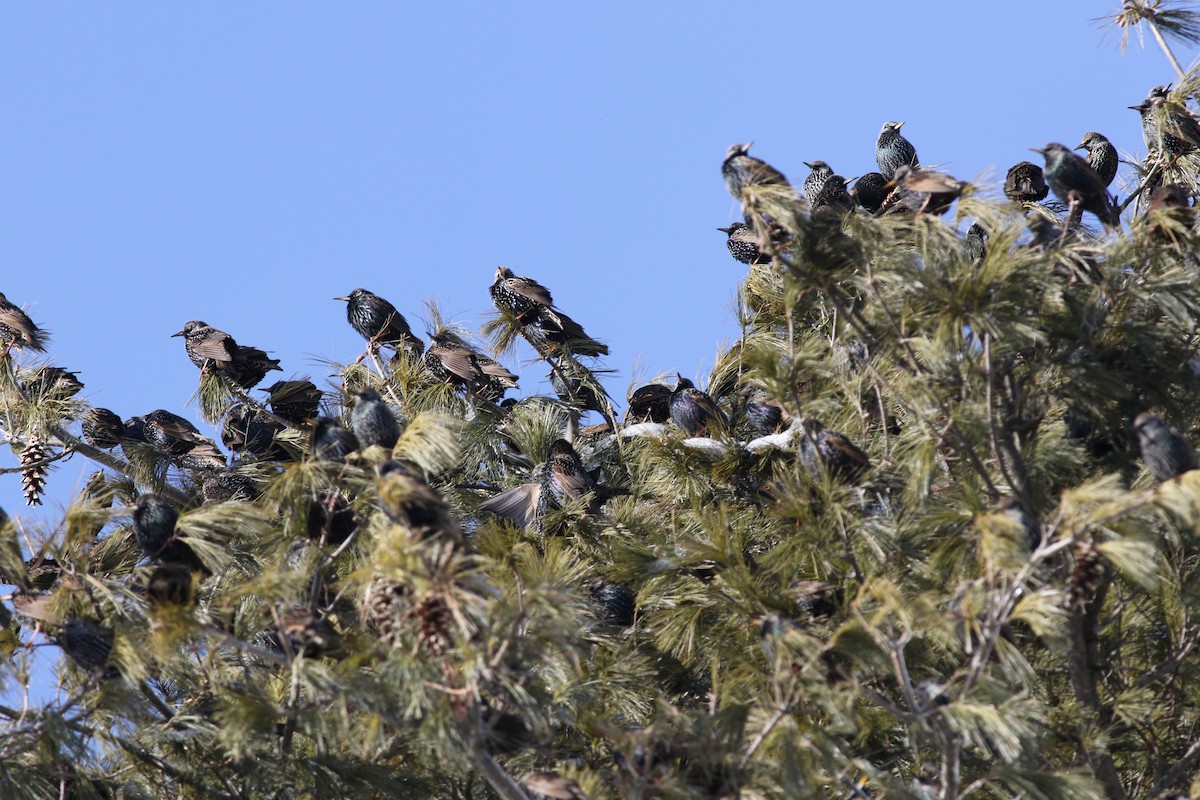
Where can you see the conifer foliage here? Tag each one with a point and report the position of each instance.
(906, 541)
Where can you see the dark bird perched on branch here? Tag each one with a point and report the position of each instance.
(577, 387)
(820, 173)
(870, 191)
(245, 431)
(1168, 212)
(329, 515)
(102, 428)
(617, 603)
(832, 197)
(378, 321)
(296, 401)
(1166, 453)
(171, 435)
(765, 415)
(975, 243)
(1025, 183)
(743, 244)
(87, 643)
(154, 521)
(820, 448)
(893, 151)
(1075, 183)
(741, 170)
(373, 421)
(649, 403)
(1167, 126)
(926, 191)
(695, 412)
(331, 441)
(211, 348)
(450, 359)
(565, 480)
(531, 306)
(18, 330)
(1101, 155)
(54, 382)
(408, 500)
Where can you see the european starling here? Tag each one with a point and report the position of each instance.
(531, 305)
(102, 428)
(373, 421)
(566, 480)
(331, 441)
(408, 500)
(329, 515)
(650, 403)
(821, 172)
(975, 245)
(740, 170)
(169, 585)
(301, 632)
(1075, 182)
(832, 196)
(1168, 212)
(617, 603)
(378, 321)
(1167, 126)
(926, 191)
(246, 432)
(823, 449)
(209, 347)
(1166, 453)
(1025, 183)
(250, 365)
(154, 522)
(296, 401)
(167, 433)
(18, 330)
(743, 244)
(230, 484)
(521, 503)
(764, 414)
(893, 151)
(518, 295)
(694, 411)
(575, 387)
(1102, 156)
(870, 191)
(450, 359)
(87, 643)
(53, 382)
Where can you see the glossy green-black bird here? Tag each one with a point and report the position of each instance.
(893, 151)
(408, 500)
(1075, 183)
(742, 170)
(694, 412)
(18, 330)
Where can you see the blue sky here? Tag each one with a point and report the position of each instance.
(244, 163)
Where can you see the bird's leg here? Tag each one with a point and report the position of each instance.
(12, 343)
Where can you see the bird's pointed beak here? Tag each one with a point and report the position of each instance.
(1080, 146)
(1134, 108)
(899, 125)
(849, 181)
(345, 299)
(748, 145)
(1041, 150)
(181, 333)
(810, 166)
(725, 230)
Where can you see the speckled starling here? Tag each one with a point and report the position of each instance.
(531, 305)
(565, 479)
(650, 403)
(617, 603)
(741, 170)
(743, 244)
(975, 244)
(87, 643)
(1025, 183)
(820, 173)
(18, 330)
(573, 384)
(331, 441)
(1075, 182)
(1167, 126)
(1166, 453)
(154, 522)
(408, 500)
(924, 191)
(452, 360)
(102, 428)
(373, 421)
(212, 348)
(832, 197)
(1101, 155)
(823, 449)
(296, 401)
(694, 412)
(169, 434)
(245, 432)
(870, 191)
(552, 329)
(378, 321)
(765, 415)
(250, 365)
(893, 151)
(53, 383)
(232, 483)
(329, 515)
(518, 295)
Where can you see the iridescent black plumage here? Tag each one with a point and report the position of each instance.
(819, 174)
(870, 191)
(695, 412)
(331, 441)
(329, 515)
(740, 170)
(169, 585)
(823, 449)
(1025, 183)
(87, 643)
(102, 428)
(832, 196)
(764, 414)
(378, 321)
(650, 403)
(893, 151)
(452, 360)
(296, 401)
(168, 434)
(210, 348)
(565, 480)
(743, 244)
(408, 500)
(246, 432)
(373, 421)
(1166, 453)
(230, 484)
(18, 330)
(1101, 155)
(250, 365)
(531, 305)
(154, 521)
(1075, 182)
(53, 382)
(975, 244)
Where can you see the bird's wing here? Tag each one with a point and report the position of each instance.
(530, 290)
(457, 360)
(518, 504)
(217, 346)
(19, 321)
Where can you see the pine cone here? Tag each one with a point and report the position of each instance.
(1085, 575)
(33, 471)
(385, 607)
(433, 623)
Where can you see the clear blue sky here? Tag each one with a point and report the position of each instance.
(244, 163)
